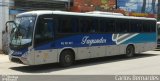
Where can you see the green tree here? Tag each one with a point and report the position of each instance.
(104, 1)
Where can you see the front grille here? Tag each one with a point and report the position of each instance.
(16, 60)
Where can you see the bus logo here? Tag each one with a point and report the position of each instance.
(87, 40)
(121, 38)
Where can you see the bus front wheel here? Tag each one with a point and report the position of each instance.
(66, 58)
(130, 51)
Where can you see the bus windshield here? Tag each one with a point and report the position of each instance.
(21, 34)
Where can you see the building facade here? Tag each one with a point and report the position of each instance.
(4, 16)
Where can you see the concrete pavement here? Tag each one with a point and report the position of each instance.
(147, 63)
(3, 58)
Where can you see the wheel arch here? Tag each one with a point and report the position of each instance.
(130, 45)
(64, 49)
(128, 51)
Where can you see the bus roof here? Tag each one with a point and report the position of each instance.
(42, 12)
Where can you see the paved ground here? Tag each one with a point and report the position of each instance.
(147, 63)
(3, 59)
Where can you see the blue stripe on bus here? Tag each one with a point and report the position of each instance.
(142, 38)
(94, 40)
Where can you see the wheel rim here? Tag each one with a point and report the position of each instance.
(130, 51)
(67, 58)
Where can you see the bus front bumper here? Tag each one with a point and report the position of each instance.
(18, 59)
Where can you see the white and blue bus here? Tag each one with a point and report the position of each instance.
(41, 37)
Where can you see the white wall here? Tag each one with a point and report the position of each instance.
(0, 24)
(4, 16)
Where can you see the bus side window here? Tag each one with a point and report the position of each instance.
(110, 26)
(102, 26)
(107, 26)
(44, 31)
(74, 24)
(146, 26)
(48, 28)
(136, 26)
(132, 26)
(95, 25)
(122, 26)
(139, 26)
(67, 24)
(153, 26)
(85, 25)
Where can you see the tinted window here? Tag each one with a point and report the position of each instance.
(103, 26)
(74, 24)
(95, 25)
(107, 26)
(153, 26)
(136, 26)
(67, 24)
(122, 26)
(44, 31)
(110, 25)
(64, 25)
(146, 26)
(85, 25)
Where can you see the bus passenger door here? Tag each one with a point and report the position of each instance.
(44, 41)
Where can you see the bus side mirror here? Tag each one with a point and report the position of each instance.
(9, 25)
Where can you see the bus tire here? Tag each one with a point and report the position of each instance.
(130, 51)
(66, 58)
